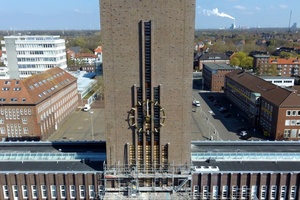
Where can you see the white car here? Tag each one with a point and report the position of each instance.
(243, 133)
(196, 103)
(86, 107)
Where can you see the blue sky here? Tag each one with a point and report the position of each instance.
(84, 14)
(247, 13)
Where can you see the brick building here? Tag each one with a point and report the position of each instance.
(273, 109)
(266, 65)
(34, 107)
(214, 75)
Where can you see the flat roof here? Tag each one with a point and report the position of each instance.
(218, 66)
(251, 166)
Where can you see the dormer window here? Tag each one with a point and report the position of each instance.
(5, 88)
(13, 99)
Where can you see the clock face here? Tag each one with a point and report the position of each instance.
(144, 114)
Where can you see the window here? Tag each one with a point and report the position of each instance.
(273, 192)
(44, 191)
(288, 113)
(235, 193)
(1, 120)
(205, 192)
(287, 122)
(215, 192)
(224, 192)
(34, 191)
(92, 191)
(62, 191)
(24, 191)
(24, 120)
(287, 133)
(294, 113)
(25, 130)
(263, 193)
(15, 191)
(293, 122)
(253, 191)
(283, 192)
(244, 192)
(72, 192)
(53, 191)
(5, 192)
(293, 192)
(81, 192)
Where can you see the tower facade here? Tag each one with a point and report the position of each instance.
(147, 68)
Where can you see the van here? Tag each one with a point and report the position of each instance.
(86, 107)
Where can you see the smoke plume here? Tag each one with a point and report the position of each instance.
(216, 13)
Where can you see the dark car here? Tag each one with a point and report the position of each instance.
(245, 137)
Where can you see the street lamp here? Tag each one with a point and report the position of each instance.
(92, 125)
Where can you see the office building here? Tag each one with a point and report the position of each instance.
(272, 109)
(27, 55)
(214, 75)
(35, 107)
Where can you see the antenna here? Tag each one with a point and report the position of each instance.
(290, 22)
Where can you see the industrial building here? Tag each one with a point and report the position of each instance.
(25, 55)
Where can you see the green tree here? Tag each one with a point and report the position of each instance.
(235, 62)
(284, 55)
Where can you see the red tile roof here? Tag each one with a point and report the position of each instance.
(284, 61)
(98, 49)
(35, 88)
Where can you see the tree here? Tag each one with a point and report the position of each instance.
(284, 54)
(235, 62)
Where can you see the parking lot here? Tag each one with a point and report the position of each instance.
(207, 121)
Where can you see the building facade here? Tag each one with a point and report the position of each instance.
(34, 107)
(266, 65)
(214, 75)
(28, 55)
(147, 80)
(270, 108)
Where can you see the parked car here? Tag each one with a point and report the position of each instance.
(196, 103)
(223, 110)
(246, 137)
(243, 133)
(86, 107)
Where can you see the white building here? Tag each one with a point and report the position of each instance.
(27, 55)
(280, 80)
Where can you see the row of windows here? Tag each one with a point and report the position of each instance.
(54, 191)
(38, 66)
(53, 59)
(39, 45)
(14, 130)
(293, 113)
(247, 193)
(41, 52)
(291, 133)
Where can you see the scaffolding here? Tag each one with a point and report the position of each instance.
(131, 181)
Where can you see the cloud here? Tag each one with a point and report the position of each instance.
(239, 7)
(283, 6)
(80, 11)
(257, 8)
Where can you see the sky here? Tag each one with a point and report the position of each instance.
(84, 14)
